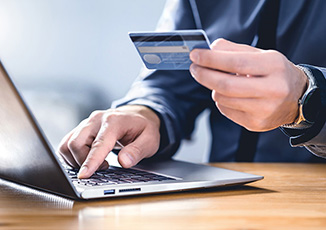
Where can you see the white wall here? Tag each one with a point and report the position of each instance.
(71, 57)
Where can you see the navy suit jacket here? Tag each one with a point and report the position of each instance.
(178, 99)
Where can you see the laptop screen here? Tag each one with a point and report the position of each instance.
(25, 156)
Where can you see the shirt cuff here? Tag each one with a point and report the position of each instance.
(304, 136)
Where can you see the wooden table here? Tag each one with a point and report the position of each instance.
(292, 196)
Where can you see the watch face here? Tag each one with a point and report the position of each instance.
(312, 105)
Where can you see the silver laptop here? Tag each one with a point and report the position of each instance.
(27, 158)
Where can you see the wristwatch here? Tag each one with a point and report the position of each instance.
(309, 104)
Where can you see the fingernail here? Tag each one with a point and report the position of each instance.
(83, 170)
(194, 56)
(127, 160)
(193, 70)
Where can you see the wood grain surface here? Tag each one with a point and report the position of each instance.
(292, 196)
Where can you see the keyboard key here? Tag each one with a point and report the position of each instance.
(116, 175)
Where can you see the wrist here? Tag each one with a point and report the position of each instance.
(308, 102)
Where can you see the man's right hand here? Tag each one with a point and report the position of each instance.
(135, 127)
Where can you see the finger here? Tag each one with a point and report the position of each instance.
(144, 146)
(228, 84)
(240, 104)
(82, 139)
(225, 45)
(64, 151)
(238, 117)
(247, 119)
(254, 109)
(104, 165)
(253, 63)
(101, 146)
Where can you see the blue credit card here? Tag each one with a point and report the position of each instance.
(168, 50)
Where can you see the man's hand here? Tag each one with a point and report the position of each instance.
(258, 89)
(136, 127)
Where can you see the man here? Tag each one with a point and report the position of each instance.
(241, 85)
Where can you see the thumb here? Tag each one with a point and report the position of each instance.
(143, 147)
(221, 44)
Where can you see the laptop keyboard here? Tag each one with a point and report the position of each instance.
(115, 175)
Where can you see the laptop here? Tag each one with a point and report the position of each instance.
(27, 158)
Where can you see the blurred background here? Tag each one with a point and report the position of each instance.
(69, 58)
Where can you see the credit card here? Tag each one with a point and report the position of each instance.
(168, 50)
